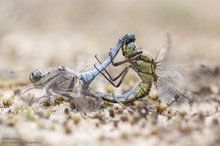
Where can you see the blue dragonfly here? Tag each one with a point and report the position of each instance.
(63, 81)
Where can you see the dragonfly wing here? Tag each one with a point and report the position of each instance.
(168, 91)
(171, 83)
(84, 103)
(172, 75)
(161, 55)
(87, 103)
(80, 102)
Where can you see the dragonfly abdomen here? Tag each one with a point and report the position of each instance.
(139, 91)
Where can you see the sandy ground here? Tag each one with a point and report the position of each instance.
(45, 34)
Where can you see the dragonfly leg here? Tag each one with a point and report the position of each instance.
(49, 95)
(42, 99)
(110, 76)
(65, 94)
(117, 63)
(136, 54)
(124, 72)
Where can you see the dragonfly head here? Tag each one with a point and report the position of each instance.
(36, 76)
(129, 49)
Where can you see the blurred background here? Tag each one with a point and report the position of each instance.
(50, 33)
(43, 33)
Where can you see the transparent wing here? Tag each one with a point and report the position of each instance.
(172, 74)
(80, 102)
(168, 90)
(87, 104)
(83, 103)
(161, 55)
(84, 63)
(171, 82)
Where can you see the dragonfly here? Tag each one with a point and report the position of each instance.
(168, 80)
(63, 81)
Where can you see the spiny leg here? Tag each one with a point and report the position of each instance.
(136, 54)
(37, 101)
(43, 99)
(115, 63)
(124, 72)
(123, 76)
(49, 95)
(46, 97)
(65, 94)
(110, 76)
(119, 63)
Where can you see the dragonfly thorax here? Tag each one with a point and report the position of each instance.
(145, 67)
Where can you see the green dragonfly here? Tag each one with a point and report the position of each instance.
(167, 79)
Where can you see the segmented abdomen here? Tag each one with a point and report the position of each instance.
(139, 91)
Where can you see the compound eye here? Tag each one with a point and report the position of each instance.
(131, 46)
(35, 76)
